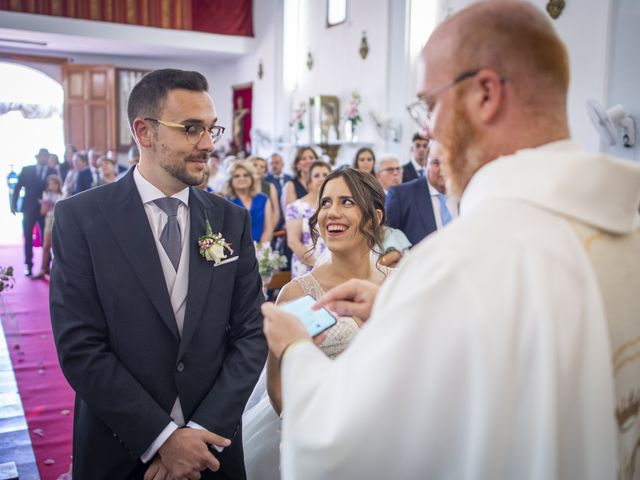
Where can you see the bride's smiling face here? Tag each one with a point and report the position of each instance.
(339, 217)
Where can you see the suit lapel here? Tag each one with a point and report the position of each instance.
(200, 270)
(425, 207)
(126, 217)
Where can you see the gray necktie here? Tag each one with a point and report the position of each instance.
(170, 236)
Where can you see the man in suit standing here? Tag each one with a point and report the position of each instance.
(421, 206)
(416, 166)
(278, 178)
(161, 338)
(83, 178)
(33, 179)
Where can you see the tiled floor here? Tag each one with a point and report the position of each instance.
(15, 444)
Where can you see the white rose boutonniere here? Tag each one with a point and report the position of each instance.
(213, 247)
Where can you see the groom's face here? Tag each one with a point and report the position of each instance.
(172, 150)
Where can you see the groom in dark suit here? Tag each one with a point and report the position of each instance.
(162, 344)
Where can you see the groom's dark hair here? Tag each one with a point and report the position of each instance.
(147, 96)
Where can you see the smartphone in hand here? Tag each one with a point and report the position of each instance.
(315, 321)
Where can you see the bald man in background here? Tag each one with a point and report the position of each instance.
(487, 354)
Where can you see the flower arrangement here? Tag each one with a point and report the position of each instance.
(297, 117)
(6, 278)
(213, 245)
(353, 109)
(269, 260)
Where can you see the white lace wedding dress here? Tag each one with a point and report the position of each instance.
(261, 424)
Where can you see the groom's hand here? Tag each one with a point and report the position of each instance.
(157, 470)
(351, 299)
(186, 452)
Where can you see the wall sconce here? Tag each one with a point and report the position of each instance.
(309, 60)
(364, 46)
(555, 7)
(260, 70)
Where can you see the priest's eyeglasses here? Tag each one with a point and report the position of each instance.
(193, 131)
(422, 110)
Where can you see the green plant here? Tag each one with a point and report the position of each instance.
(6, 278)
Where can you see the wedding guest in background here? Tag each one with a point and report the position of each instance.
(50, 196)
(389, 171)
(422, 206)
(54, 164)
(297, 214)
(276, 173)
(108, 173)
(217, 178)
(243, 189)
(94, 154)
(33, 179)
(260, 165)
(133, 155)
(349, 222)
(277, 176)
(365, 161)
(67, 164)
(297, 188)
(415, 168)
(83, 177)
(490, 352)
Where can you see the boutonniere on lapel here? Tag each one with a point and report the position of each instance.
(213, 245)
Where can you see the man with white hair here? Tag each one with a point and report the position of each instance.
(488, 353)
(389, 171)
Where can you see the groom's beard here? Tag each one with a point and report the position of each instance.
(179, 169)
(462, 157)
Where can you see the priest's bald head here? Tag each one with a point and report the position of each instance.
(495, 81)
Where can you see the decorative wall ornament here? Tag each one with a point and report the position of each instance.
(309, 60)
(364, 46)
(260, 70)
(555, 8)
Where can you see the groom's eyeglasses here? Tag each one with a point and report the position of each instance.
(193, 131)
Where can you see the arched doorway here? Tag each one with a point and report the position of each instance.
(30, 119)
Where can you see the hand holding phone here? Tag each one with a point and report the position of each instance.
(315, 321)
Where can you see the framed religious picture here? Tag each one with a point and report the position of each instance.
(125, 81)
(241, 128)
(324, 119)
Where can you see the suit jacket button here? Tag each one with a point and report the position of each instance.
(180, 367)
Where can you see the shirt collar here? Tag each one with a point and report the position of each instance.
(149, 192)
(417, 166)
(597, 189)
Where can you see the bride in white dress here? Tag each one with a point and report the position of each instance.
(349, 218)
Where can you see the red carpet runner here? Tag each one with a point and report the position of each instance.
(46, 396)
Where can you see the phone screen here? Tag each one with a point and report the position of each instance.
(316, 321)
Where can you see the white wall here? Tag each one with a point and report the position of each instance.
(624, 69)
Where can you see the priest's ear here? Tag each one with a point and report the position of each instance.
(143, 132)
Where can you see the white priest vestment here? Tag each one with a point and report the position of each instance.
(487, 355)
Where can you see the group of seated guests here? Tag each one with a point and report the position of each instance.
(281, 205)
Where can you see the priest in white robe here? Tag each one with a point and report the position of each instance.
(487, 354)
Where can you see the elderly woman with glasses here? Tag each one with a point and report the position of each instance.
(243, 189)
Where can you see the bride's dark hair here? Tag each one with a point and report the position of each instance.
(367, 195)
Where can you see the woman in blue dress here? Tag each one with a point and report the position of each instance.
(244, 190)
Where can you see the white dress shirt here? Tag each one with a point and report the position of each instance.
(452, 205)
(177, 282)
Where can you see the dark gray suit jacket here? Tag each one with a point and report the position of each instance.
(116, 333)
(409, 208)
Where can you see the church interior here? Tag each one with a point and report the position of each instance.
(334, 75)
